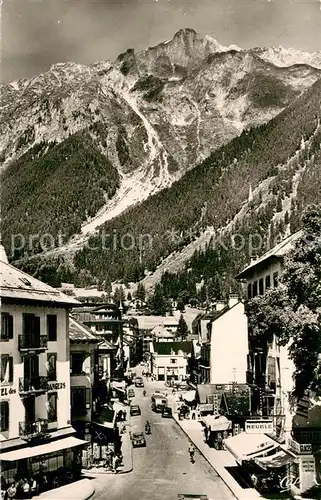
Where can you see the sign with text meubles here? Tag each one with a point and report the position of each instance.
(258, 426)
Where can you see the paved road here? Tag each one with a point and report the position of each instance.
(162, 469)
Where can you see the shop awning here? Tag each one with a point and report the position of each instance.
(43, 449)
(189, 396)
(106, 418)
(245, 446)
(279, 459)
(217, 424)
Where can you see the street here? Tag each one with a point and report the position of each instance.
(162, 469)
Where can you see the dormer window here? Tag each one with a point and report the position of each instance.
(25, 281)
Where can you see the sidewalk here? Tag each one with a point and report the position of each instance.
(79, 490)
(219, 460)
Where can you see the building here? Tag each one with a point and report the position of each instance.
(106, 322)
(35, 427)
(161, 334)
(269, 370)
(149, 322)
(170, 360)
(270, 376)
(84, 374)
(229, 344)
(223, 340)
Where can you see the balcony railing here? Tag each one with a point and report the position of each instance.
(32, 430)
(33, 384)
(27, 342)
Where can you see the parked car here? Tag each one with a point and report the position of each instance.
(167, 412)
(138, 439)
(139, 382)
(131, 393)
(135, 410)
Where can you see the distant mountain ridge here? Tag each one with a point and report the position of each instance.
(141, 123)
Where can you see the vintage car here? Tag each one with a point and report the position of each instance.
(138, 439)
(135, 410)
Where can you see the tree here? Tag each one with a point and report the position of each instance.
(293, 311)
(158, 304)
(182, 328)
(140, 292)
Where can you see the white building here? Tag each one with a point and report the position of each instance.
(161, 334)
(229, 345)
(169, 360)
(35, 379)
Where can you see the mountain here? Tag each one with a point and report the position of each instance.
(205, 227)
(81, 145)
(279, 56)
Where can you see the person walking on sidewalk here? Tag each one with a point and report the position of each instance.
(191, 451)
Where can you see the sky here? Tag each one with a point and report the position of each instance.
(39, 33)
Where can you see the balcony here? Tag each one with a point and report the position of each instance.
(33, 343)
(34, 385)
(33, 430)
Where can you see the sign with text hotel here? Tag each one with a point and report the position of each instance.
(258, 426)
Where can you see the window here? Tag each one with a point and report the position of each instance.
(255, 289)
(31, 324)
(6, 369)
(261, 286)
(6, 332)
(173, 360)
(52, 367)
(249, 291)
(77, 361)
(4, 416)
(267, 282)
(52, 407)
(78, 400)
(52, 327)
(275, 279)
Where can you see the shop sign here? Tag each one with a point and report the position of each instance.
(56, 385)
(7, 391)
(300, 449)
(258, 426)
(308, 464)
(206, 407)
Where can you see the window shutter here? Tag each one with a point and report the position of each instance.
(88, 398)
(10, 326)
(11, 369)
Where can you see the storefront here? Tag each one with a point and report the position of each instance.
(55, 460)
(266, 463)
(216, 429)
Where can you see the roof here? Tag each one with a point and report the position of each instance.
(16, 284)
(78, 332)
(149, 322)
(278, 251)
(172, 348)
(160, 331)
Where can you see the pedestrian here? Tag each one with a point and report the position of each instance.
(115, 463)
(12, 491)
(191, 451)
(34, 487)
(26, 488)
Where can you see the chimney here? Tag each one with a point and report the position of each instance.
(3, 255)
(233, 299)
(220, 304)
